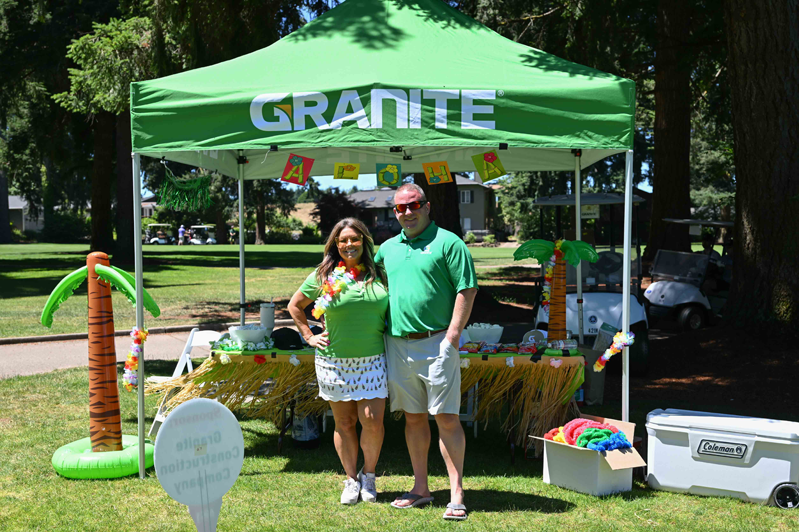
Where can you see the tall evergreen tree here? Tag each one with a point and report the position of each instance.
(763, 46)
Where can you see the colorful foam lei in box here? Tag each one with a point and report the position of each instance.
(589, 434)
(338, 280)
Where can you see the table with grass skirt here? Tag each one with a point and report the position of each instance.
(537, 390)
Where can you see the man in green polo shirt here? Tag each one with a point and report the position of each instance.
(432, 284)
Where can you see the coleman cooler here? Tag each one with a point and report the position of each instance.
(749, 458)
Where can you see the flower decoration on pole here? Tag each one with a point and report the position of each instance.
(130, 377)
(620, 341)
(553, 256)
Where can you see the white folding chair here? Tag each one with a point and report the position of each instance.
(196, 338)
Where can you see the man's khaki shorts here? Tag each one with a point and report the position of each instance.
(424, 376)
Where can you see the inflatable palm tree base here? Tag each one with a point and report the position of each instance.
(106, 453)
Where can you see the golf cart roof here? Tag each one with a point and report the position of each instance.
(601, 198)
(159, 225)
(706, 223)
(206, 226)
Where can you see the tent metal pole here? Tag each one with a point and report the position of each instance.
(139, 265)
(240, 177)
(628, 220)
(578, 236)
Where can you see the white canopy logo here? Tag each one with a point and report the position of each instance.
(350, 109)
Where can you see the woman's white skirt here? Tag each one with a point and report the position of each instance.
(351, 379)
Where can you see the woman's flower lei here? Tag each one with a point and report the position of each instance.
(620, 341)
(549, 271)
(336, 282)
(130, 378)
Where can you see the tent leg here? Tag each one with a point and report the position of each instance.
(139, 265)
(240, 177)
(628, 219)
(578, 236)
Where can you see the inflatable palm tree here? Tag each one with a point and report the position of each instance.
(560, 252)
(105, 429)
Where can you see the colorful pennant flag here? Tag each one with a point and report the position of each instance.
(298, 169)
(389, 175)
(437, 173)
(346, 170)
(488, 165)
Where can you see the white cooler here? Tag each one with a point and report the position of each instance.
(724, 455)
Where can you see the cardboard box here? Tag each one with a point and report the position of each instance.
(588, 471)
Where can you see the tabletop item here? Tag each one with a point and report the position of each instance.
(287, 339)
(268, 317)
(485, 332)
(248, 333)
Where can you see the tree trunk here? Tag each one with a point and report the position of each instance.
(557, 302)
(102, 172)
(5, 217)
(105, 428)
(444, 204)
(671, 186)
(763, 45)
(260, 216)
(123, 251)
(221, 227)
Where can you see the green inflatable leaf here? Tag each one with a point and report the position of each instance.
(577, 250)
(61, 293)
(121, 283)
(540, 250)
(149, 302)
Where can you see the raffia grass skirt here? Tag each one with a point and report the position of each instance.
(351, 379)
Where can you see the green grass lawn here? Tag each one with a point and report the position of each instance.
(191, 284)
(299, 489)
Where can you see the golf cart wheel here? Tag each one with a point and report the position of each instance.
(786, 496)
(692, 318)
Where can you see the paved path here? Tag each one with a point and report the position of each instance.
(29, 359)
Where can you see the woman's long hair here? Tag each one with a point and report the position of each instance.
(332, 256)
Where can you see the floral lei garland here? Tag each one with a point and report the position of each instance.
(336, 282)
(549, 270)
(620, 341)
(130, 378)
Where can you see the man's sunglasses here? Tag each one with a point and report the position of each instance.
(402, 208)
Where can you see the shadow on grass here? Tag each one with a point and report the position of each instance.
(495, 501)
(154, 263)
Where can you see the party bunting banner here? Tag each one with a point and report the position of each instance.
(389, 175)
(488, 165)
(298, 169)
(437, 173)
(346, 171)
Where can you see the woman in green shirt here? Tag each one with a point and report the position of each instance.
(350, 295)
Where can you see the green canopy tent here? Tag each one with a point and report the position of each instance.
(384, 81)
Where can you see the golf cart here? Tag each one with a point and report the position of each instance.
(158, 234)
(602, 281)
(202, 234)
(689, 287)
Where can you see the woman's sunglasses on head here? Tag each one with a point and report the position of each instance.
(401, 208)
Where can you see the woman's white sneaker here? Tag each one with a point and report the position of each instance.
(352, 489)
(368, 488)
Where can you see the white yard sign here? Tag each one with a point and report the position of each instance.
(199, 452)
